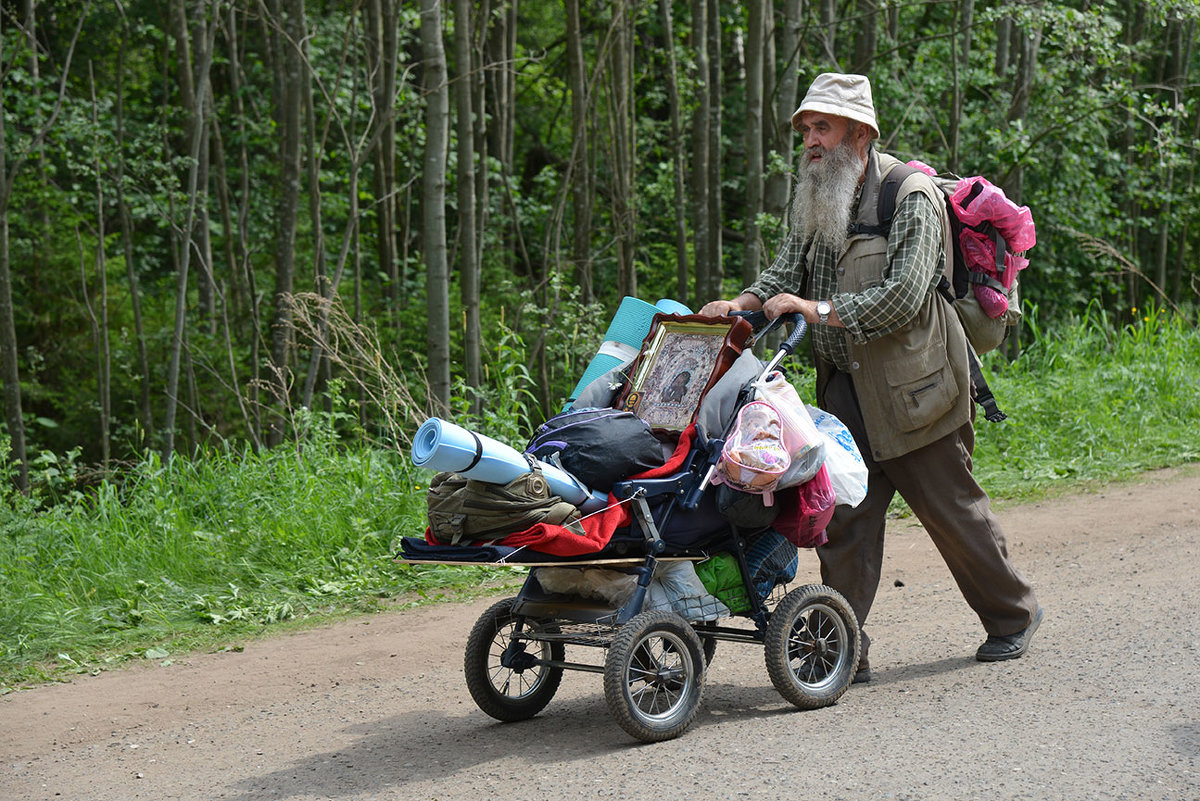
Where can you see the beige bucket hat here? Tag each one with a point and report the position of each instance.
(842, 95)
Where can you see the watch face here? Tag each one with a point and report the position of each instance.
(824, 307)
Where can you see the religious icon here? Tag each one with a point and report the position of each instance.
(674, 371)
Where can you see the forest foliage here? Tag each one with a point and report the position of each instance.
(216, 214)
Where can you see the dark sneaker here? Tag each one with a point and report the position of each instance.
(1010, 646)
(861, 676)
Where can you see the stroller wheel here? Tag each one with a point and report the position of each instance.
(507, 677)
(654, 676)
(811, 647)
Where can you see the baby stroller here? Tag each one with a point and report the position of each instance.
(656, 646)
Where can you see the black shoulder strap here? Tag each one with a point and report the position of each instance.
(889, 187)
(983, 393)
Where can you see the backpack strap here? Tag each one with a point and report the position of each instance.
(889, 187)
(983, 393)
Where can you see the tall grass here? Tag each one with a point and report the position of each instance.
(202, 552)
(1092, 400)
(207, 548)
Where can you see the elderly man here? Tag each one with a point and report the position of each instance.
(892, 364)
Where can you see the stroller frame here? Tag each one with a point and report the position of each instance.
(655, 658)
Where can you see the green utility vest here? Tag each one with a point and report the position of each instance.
(913, 385)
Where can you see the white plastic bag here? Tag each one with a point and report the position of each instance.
(805, 443)
(676, 586)
(847, 470)
(589, 582)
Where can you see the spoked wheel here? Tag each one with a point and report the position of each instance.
(811, 647)
(654, 676)
(504, 676)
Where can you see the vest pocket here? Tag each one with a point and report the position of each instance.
(922, 389)
(863, 264)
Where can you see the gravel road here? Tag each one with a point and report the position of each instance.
(1105, 706)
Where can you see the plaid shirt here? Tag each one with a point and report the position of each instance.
(915, 262)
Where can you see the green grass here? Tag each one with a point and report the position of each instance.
(209, 552)
(1090, 402)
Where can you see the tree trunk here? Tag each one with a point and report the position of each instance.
(1022, 92)
(291, 19)
(99, 312)
(677, 154)
(500, 49)
(777, 188)
(753, 139)
(433, 205)
(1018, 110)
(621, 126)
(1003, 37)
(1174, 80)
(382, 56)
(318, 363)
(866, 42)
(479, 106)
(582, 193)
(244, 268)
(146, 412)
(191, 99)
(9, 366)
(701, 120)
(195, 125)
(715, 161)
(829, 25)
(468, 253)
(960, 61)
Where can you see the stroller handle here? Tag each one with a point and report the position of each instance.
(759, 322)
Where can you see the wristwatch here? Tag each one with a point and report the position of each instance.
(824, 309)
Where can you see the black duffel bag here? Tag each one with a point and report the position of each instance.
(598, 446)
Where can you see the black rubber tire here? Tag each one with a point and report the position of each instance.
(508, 694)
(654, 676)
(812, 646)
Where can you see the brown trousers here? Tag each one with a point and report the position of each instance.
(937, 484)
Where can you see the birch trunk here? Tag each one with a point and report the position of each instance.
(677, 154)
(433, 206)
(701, 120)
(290, 114)
(468, 253)
(582, 192)
(753, 139)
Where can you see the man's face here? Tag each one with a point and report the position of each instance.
(832, 165)
(821, 133)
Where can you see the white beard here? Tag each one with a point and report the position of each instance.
(824, 192)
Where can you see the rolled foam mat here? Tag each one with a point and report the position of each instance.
(443, 446)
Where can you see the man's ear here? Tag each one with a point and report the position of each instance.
(863, 137)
